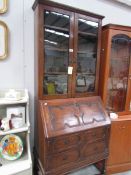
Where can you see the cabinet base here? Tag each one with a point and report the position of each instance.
(39, 170)
(118, 168)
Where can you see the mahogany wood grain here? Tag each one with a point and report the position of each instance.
(119, 147)
(69, 8)
(117, 27)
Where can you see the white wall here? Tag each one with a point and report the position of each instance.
(18, 70)
(114, 12)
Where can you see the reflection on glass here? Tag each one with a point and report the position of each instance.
(56, 41)
(88, 26)
(56, 19)
(119, 70)
(86, 55)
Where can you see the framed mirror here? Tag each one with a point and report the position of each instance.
(3, 40)
(3, 6)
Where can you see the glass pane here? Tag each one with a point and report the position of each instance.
(87, 26)
(86, 56)
(55, 84)
(56, 42)
(119, 70)
(56, 19)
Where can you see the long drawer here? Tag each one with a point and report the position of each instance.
(59, 144)
(76, 154)
(63, 158)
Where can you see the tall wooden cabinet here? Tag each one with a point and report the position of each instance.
(115, 77)
(115, 90)
(71, 132)
(68, 49)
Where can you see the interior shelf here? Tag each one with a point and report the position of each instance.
(57, 49)
(56, 73)
(86, 52)
(57, 28)
(87, 34)
(85, 73)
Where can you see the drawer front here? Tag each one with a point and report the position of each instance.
(93, 149)
(94, 134)
(63, 158)
(60, 144)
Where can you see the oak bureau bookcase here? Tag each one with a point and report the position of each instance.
(72, 127)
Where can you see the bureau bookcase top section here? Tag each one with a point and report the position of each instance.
(67, 51)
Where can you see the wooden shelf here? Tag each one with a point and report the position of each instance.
(85, 73)
(56, 73)
(86, 52)
(56, 28)
(120, 58)
(57, 49)
(87, 34)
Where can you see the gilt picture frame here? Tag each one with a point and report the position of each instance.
(3, 6)
(3, 40)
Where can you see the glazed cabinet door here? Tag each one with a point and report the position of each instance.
(119, 79)
(56, 52)
(69, 51)
(86, 55)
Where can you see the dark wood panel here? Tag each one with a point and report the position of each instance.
(95, 134)
(66, 157)
(69, 8)
(72, 115)
(93, 149)
(60, 144)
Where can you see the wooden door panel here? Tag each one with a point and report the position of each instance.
(120, 143)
